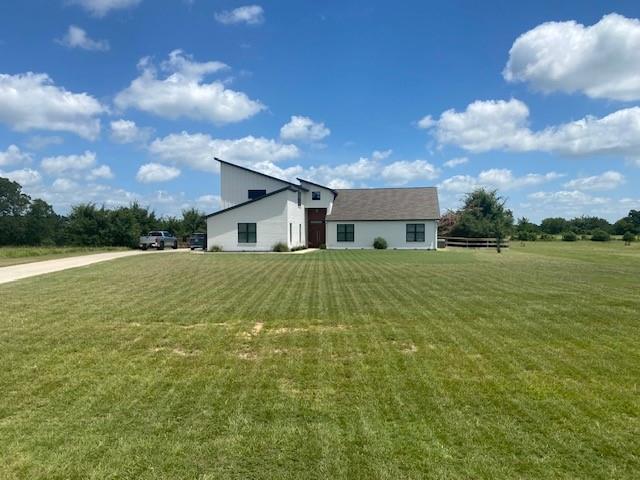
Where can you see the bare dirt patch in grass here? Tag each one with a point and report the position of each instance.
(311, 328)
(177, 351)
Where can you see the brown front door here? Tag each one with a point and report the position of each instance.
(316, 232)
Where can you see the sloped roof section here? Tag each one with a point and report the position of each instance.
(386, 204)
(254, 200)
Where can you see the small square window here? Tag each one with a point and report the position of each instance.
(345, 232)
(246, 233)
(315, 195)
(415, 232)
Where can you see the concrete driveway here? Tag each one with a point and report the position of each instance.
(26, 270)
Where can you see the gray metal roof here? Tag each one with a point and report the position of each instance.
(386, 204)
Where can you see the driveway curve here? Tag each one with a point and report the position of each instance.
(26, 270)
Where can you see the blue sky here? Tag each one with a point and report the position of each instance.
(111, 101)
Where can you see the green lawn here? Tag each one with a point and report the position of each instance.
(362, 364)
(17, 255)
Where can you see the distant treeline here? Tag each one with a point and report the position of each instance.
(476, 219)
(26, 221)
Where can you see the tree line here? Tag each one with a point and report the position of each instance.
(484, 215)
(27, 221)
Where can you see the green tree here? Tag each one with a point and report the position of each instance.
(484, 215)
(587, 225)
(554, 225)
(87, 225)
(13, 205)
(42, 224)
(628, 237)
(526, 230)
(193, 221)
(630, 223)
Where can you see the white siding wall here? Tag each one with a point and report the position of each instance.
(394, 232)
(326, 197)
(295, 217)
(236, 182)
(270, 216)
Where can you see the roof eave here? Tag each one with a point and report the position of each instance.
(270, 194)
(318, 185)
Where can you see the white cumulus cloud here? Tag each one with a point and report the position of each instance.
(99, 8)
(64, 185)
(360, 172)
(303, 129)
(454, 162)
(198, 150)
(184, 93)
(249, 14)
(76, 37)
(605, 181)
(499, 178)
(31, 101)
(68, 163)
(102, 172)
(503, 125)
(156, 172)
(25, 176)
(14, 156)
(600, 60)
(126, 131)
(403, 172)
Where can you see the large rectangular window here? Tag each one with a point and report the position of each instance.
(246, 233)
(345, 232)
(415, 232)
(253, 194)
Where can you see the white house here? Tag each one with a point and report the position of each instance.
(259, 210)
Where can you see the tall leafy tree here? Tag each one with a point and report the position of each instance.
(193, 221)
(42, 225)
(484, 215)
(13, 205)
(554, 225)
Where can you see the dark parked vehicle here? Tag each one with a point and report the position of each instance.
(198, 240)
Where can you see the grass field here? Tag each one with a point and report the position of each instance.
(18, 255)
(362, 364)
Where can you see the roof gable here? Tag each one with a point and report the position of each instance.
(302, 180)
(260, 173)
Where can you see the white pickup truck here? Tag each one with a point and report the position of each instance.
(158, 239)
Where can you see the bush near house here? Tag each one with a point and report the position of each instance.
(215, 248)
(280, 247)
(600, 236)
(379, 243)
(569, 237)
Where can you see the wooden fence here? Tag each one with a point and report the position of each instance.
(473, 242)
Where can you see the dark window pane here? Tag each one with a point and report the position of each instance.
(253, 194)
(345, 232)
(415, 232)
(315, 195)
(246, 233)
